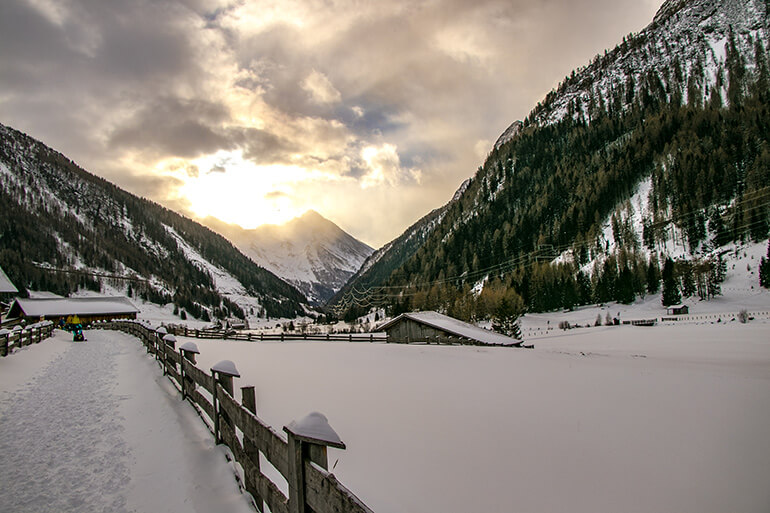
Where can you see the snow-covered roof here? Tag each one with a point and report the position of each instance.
(71, 306)
(5, 283)
(43, 294)
(453, 327)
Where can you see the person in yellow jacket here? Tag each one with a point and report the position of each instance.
(75, 319)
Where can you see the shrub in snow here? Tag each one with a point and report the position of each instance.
(743, 316)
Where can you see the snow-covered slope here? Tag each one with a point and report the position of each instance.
(310, 252)
(686, 47)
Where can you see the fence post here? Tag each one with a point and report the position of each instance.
(168, 341)
(5, 335)
(249, 401)
(308, 439)
(222, 374)
(187, 351)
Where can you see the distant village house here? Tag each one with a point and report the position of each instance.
(433, 327)
(678, 310)
(89, 309)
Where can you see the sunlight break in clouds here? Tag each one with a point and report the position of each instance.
(236, 190)
(384, 167)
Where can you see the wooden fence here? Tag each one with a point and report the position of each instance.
(300, 458)
(184, 331)
(33, 334)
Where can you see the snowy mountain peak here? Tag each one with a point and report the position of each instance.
(309, 251)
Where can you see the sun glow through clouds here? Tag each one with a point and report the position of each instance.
(238, 191)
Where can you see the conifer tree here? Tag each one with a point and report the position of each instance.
(653, 276)
(764, 269)
(671, 294)
(506, 319)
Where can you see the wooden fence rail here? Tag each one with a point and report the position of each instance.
(33, 334)
(300, 458)
(184, 331)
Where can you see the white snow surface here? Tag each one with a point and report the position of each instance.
(626, 418)
(94, 426)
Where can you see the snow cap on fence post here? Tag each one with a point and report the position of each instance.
(226, 368)
(189, 350)
(190, 347)
(161, 331)
(315, 429)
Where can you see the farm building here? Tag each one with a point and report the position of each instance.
(89, 309)
(435, 327)
(678, 310)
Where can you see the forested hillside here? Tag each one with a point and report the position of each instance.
(710, 170)
(62, 228)
(675, 118)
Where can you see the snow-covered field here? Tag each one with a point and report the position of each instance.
(660, 419)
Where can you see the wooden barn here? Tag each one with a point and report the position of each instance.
(678, 310)
(89, 309)
(435, 327)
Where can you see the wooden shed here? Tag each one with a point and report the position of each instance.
(89, 309)
(678, 310)
(435, 327)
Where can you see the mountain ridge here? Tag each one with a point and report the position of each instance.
(310, 252)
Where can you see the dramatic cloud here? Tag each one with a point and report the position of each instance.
(371, 113)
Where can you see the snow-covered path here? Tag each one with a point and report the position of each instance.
(100, 429)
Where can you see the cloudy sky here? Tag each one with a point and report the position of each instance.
(370, 112)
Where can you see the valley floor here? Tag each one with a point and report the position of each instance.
(94, 426)
(633, 419)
